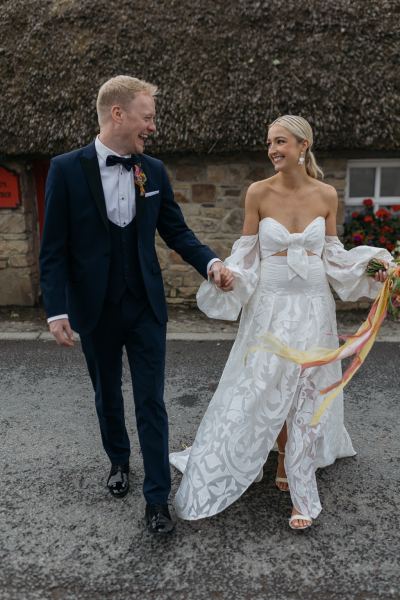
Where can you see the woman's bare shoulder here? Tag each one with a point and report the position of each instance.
(256, 195)
(261, 187)
(327, 192)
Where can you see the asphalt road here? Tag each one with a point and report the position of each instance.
(62, 536)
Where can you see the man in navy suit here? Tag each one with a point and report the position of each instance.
(100, 276)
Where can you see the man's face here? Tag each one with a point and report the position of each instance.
(138, 122)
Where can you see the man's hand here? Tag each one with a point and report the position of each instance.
(222, 276)
(62, 332)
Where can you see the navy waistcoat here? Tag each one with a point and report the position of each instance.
(125, 272)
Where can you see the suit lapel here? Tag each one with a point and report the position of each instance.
(141, 200)
(90, 166)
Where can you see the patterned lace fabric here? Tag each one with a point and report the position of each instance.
(259, 391)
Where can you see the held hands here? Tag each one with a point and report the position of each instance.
(62, 332)
(222, 276)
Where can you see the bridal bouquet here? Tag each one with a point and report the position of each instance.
(358, 345)
(393, 307)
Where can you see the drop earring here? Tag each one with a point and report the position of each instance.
(301, 159)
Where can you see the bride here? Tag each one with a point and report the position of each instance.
(278, 274)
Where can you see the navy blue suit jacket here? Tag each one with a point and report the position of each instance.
(75, 251)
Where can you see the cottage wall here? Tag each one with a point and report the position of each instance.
(19, 243)
(210, 191)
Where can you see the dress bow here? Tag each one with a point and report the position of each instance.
(297, 258)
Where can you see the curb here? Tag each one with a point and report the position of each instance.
(44, 336)
(29, 336)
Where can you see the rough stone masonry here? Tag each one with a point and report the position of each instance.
(210, 191)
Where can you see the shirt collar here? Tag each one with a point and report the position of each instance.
(103, 151)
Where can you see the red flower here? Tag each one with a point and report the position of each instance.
(382, 240)
(368, 219)
(368, 202)
(390, 246)
(387, 229)
(355, 214)
(396, 207)
(382, 213)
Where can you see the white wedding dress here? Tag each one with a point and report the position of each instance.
(288, 296)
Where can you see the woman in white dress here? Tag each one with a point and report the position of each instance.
(279, 274)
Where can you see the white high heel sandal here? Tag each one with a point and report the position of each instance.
(300, 518)
(281, 479)
(277, 479)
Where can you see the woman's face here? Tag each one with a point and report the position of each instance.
(283, 148)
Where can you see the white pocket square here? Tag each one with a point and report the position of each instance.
(153, 193)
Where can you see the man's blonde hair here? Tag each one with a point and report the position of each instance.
(120, 90)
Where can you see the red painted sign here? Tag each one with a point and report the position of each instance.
(10, 194)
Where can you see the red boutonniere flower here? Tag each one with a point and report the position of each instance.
(140, 178)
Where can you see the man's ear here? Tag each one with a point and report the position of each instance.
(116, 113)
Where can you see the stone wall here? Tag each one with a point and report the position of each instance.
(19, 244)
(211, 192)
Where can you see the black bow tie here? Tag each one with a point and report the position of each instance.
(128, 163)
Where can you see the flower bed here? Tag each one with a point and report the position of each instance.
(374, 228)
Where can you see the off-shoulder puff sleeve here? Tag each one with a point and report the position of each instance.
(244, 262)
(345, 269)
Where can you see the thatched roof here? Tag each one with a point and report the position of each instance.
(224, 70)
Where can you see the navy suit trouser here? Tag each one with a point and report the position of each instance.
(131, 324)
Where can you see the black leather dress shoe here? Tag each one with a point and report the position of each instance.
(118, 480)
(158, 519)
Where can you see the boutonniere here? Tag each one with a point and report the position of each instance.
(140, 178)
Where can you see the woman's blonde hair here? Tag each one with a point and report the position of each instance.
(302, 130)
(120, 90)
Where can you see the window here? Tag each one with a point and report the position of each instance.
(376, 179)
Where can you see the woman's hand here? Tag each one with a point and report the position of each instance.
(381, 275)
(221, 276)
(227, 280)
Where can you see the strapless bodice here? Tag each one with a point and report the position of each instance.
(274, 238)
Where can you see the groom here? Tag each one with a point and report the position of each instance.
(101, 277)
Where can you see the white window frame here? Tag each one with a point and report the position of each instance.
(378, 164)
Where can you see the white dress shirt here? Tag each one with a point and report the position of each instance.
(118, 186)
(119, 195)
